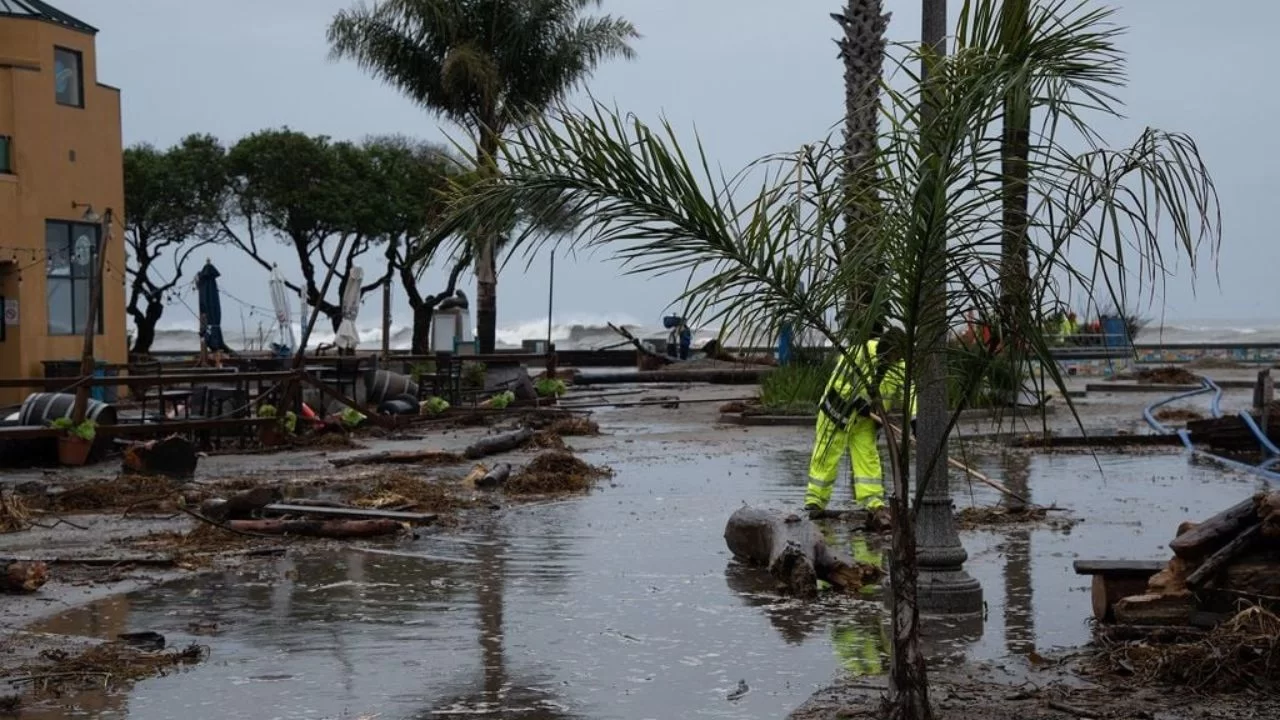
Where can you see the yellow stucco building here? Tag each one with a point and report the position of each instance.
(61, 170)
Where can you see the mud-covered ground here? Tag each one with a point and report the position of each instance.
(654, 448)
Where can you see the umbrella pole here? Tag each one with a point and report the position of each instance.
(91, 322)
(386, 324)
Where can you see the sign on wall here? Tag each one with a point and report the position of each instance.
(11, 311)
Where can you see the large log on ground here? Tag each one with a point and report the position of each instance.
(1209, 536)
(495, 477)
(393, 458)
(173, 457)
(337, 529)
(19, 576)
(793, 550)
(500, 443)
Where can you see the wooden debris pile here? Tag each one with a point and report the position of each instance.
(1230, 557)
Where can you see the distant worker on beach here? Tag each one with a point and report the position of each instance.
(846, 422)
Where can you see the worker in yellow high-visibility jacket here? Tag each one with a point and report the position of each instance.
(846, 423)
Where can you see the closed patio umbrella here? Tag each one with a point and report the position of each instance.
(210, 307)
(348, 337)
(284, 313)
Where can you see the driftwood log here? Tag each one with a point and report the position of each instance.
(500, 443)
(172, 457)
(1216, 562)
(337, 529)
(495, 477)
(388, 458)
(241, 506)
(20, 576)
(792, 549)
(1205, 538)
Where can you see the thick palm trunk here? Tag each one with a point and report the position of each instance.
(1016, 147)
(486, 295)
(486, 252)
(862, 47)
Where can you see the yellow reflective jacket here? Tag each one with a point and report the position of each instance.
(848, 382)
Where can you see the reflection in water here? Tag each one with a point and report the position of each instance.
(1019, 620)
(498, 693)
(618, 605)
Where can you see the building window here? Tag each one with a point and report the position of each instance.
(68, 72)
(71, 254)
(6, 155)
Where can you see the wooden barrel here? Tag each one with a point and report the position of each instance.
(43, 408)
(383, 385)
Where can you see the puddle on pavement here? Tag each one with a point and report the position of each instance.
(623, 604)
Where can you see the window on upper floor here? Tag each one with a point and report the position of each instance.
(6, 155)
(71, 251)
(68, 71)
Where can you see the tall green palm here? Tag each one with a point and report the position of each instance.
(486, 65)
(935, 221)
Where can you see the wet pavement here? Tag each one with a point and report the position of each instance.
(624, 603)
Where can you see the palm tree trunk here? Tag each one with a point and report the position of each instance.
(908, 679)
(1016, 138)
(486, 256)
(864, 23)
(908, 682)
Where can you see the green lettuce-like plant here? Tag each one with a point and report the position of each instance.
(86, 430)
(502, 400)
(351, 417)
(550, 387)
(435, 405)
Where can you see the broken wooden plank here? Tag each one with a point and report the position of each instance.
(1145, 568)
(336, 529)
(1155, 609)
(349, 512)
(1218, 561)
(397, 458)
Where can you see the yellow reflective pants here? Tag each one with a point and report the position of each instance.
(860, 651)
(829, 445)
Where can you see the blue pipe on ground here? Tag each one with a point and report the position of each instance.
(1263, 440)
(1261, 470)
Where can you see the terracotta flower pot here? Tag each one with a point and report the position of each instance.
(73, 451)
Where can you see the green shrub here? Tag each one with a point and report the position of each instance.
(502, 400)
(473, 374)
(266, 411)
(795, 388)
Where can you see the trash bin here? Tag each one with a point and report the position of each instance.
(71, 369)
(1115, 333)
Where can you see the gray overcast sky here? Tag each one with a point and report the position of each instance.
(755, 76)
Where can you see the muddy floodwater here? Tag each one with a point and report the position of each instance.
(623, 603)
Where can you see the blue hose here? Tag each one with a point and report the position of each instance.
(1150, 409)
(1263, 470)
(1215, 405)
(1263, 440)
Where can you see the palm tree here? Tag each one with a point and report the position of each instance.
(485, 65)
(935, 223)
(863, 23)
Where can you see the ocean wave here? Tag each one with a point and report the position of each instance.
(588, 332)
